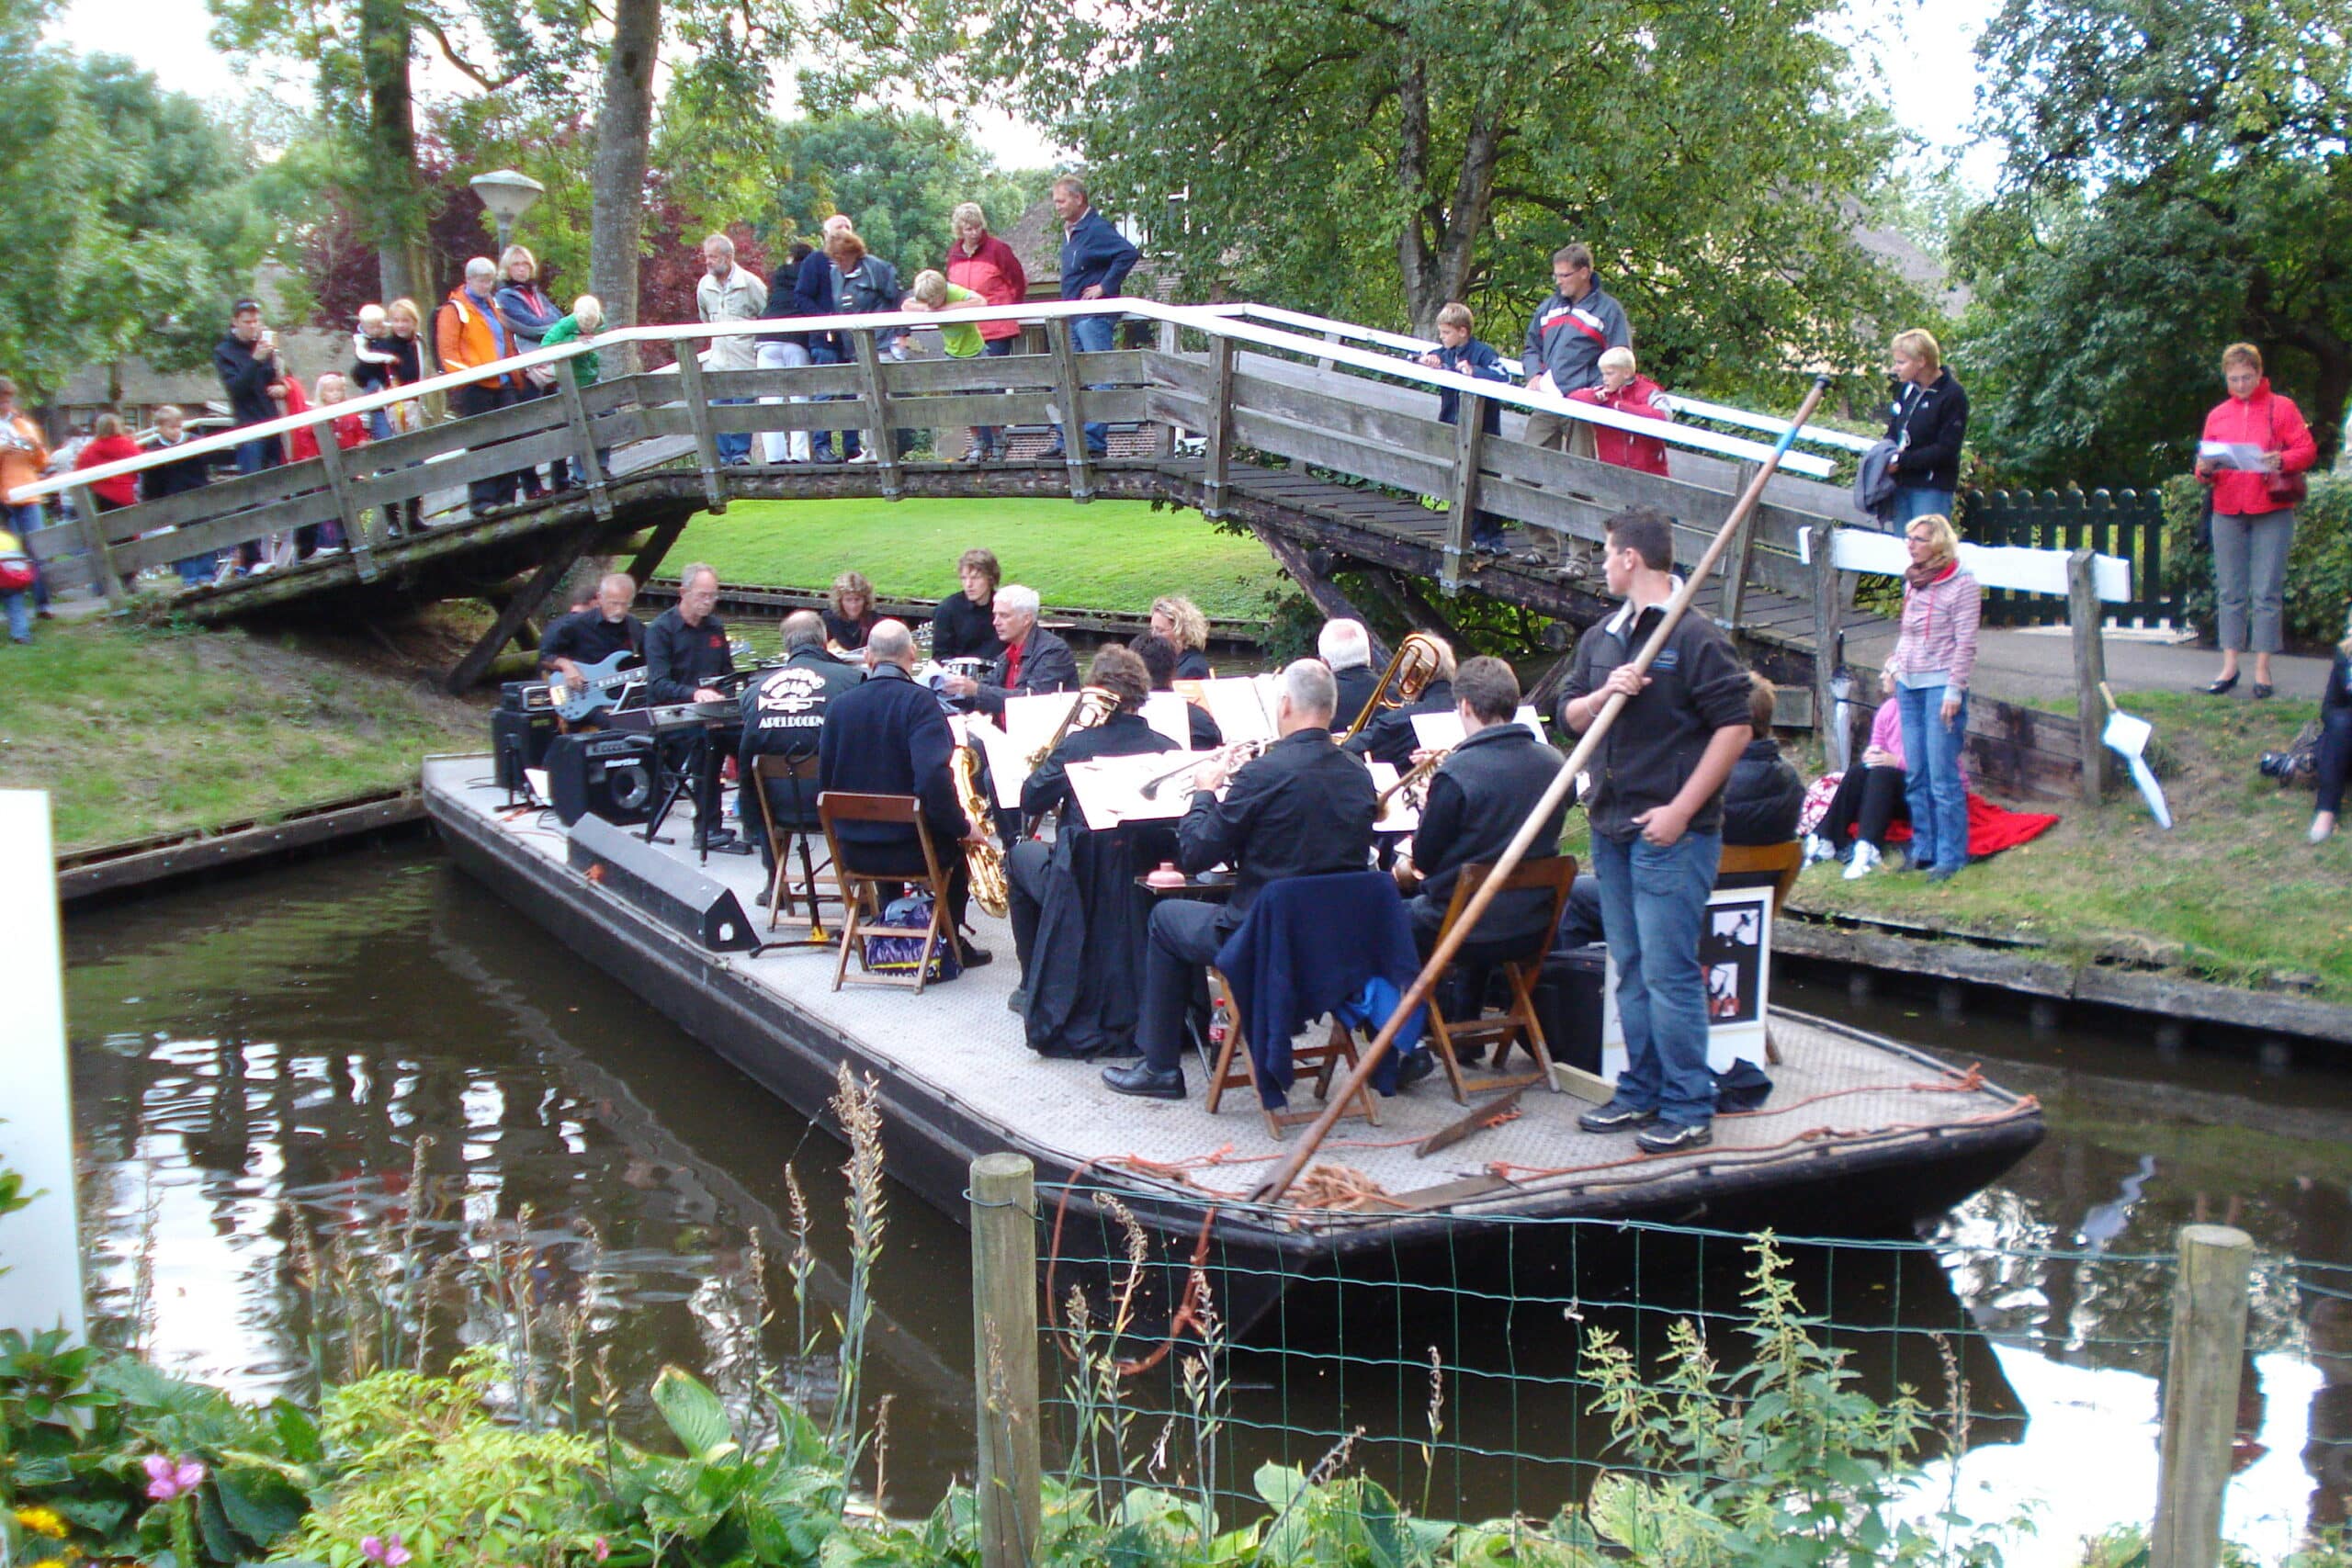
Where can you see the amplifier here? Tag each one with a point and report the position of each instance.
(604, 772)
(525, 696)
(1568, 1001)
(519, 740)
(700, 908)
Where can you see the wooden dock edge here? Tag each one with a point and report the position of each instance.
(87, 874)
(2026, 971)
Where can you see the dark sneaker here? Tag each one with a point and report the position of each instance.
(1018, 1003)
(1145, 1080)
(1615, 1117)
(1942, 873)
(976, 957)
(1675, 1137)
(1418, 1065)
(722, 843)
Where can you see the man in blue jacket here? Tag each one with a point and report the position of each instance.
(813, 288)
(1096, 259)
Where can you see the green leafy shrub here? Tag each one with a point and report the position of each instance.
(2319, 566)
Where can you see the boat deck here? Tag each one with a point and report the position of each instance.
(958, 1079)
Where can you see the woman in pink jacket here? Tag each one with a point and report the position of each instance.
(1932, 661)
(2253, 512)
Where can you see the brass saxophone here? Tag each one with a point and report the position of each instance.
(983, 862)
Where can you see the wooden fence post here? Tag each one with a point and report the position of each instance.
(591, 468)
(1828, 615)
(2086, 616)
(691, 383)
(1163, 435)
(883, 439)
(358, 537)
(1074, 453)
(1010, 1490)
(2201, 1396)
(1734, 598)
(1217, 455)
(1469, 450)
(94, 539)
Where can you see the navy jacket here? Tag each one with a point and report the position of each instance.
(245, 380)
(886, 735)
(1389, 738)
(1480, 362)
(187, 474)
(784, 301)
(813, 290)
(1480, 795)
(1763, 797)
(784, 714)
(1355, 683)
(1928, 423)
(1316, 944)
(1094, 251)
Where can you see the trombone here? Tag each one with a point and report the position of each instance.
(1412, 667)
(1240, 751)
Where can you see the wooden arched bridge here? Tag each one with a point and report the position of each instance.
(1321, 438)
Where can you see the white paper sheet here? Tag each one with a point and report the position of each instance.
(1169, 715)
(1442, 732)
(1396, 816)
(1108, 790)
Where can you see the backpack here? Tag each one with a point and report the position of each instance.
(898, 954)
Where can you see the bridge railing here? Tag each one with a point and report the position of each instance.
(1247, 390)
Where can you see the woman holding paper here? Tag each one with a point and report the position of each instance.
(1929, 670)
(2254, 455)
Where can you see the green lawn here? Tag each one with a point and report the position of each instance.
(2232, 893)
(135, 732)
(1108, 555)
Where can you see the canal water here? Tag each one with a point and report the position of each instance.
(266, 1069)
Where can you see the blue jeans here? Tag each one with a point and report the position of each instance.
(1094, 334)
(20, 615)
(989, 437)
(23, 521)
(822, 449)
(1932, 787)
(734, 445)
(1653, 903)
(1913, 501)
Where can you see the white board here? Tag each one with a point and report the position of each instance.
(41, 1262)
(2014, 567)
(1735, 957)
(1443, 731)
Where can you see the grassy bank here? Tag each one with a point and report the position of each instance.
(1108, 555)
(135, 731)
(2232, 893)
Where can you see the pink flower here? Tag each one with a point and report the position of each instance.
(602, 1550)
(386, 1549)
(167, 1482)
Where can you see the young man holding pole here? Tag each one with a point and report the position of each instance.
(1655, 803)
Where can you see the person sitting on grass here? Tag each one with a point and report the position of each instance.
(2334, 738)
(1869, 800)
(1464, 356)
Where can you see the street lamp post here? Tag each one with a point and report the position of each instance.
(508, 193)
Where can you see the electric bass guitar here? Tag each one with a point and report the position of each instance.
(599, 686)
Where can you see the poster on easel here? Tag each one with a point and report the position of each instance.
(1735, 968)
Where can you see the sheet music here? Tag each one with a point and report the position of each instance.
(1169, 715)
(1442, 732)
(1109, 790)
(1243, 705)
(1007, 763)
(1397, 816)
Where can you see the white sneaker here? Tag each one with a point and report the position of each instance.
(1818, 849)
(866, 454)
(1865, 861)
(2323, 828)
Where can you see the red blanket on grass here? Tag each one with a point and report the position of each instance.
(1991, 829)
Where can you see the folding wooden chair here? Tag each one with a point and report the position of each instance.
(1517, 1024)
(799, 774)
(858, 886)
(1322, 1059)
(1754, 862)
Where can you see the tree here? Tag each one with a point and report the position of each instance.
(898, 175)
(129, 227)
(1378, 158)
(2176, 177)
(617, 181)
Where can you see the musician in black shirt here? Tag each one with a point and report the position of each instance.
(1301, 809)
(963, 626)
(1159, 655)
(685, 650)
(1390, 737)
(596, 634)
(1479, 797)
(1346, 647)
(784, 713)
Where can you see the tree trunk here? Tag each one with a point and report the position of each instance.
(396, 204)
(624, 130)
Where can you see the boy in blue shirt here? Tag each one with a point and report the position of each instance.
(1464, 356)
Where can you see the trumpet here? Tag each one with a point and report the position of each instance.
(1092, 707)
(983, 862)
(1413, 783)
(1240, 751)
(1412, 667)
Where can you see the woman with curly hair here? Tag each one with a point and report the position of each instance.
(1180, 622)
(849, 612)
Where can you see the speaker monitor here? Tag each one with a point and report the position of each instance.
(607, 772)
(673, 891)
(518, 740)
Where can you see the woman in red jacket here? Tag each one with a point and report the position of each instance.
(109, 443)
(980, 262)
(2254, 511)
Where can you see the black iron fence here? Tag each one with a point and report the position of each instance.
(2127, 523)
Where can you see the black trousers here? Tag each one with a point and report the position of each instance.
(1025, 895)
(2334, 757)
(497, 490)
(1185, 936)
(1867, 800)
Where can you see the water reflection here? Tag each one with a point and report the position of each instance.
(369, 1063)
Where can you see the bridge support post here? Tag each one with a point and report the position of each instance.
(591, 471)
(877, 409)
(691, 382)
(1163, 435)
(1326, 594)
(1469, 447)
(94, 539)
(1218, 458)
(567, 548)
(2087, 619)
(1828, 613)
(1081, 479)
(1736, 558)
(657, 546)
(358, 537)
